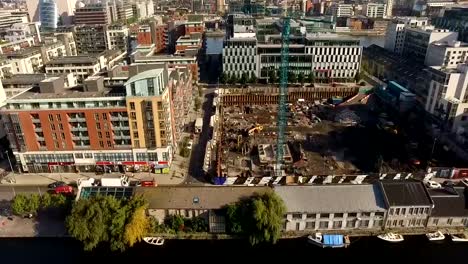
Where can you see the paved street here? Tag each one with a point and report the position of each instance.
(8, 192)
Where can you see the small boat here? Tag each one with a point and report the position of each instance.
(391, 237)
(459, 238)
(435, 236)
(331, 241)
(157, 241)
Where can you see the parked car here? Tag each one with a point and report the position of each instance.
(432, 184)
(56, 184)
(65, 189)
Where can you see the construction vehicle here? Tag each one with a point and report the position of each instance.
(256, 129)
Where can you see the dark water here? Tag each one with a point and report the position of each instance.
(415, 248)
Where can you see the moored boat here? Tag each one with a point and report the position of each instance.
(391, 237)
(435, 236)
(157, 241)
(459, 238)
(332, 241)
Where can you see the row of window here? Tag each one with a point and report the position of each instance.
(411, 211)
(336, 215)
(67, 105)
(339, 224)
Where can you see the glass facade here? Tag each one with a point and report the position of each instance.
(48, 14)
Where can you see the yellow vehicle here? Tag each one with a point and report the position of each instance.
(258, 128)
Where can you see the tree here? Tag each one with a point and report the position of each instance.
(310, 77)
(260, 217)
(253, 79)
(223, 78)
(292, 77)
(244, 78)
(175, 222)
(20, 204)
(233, 79)
(104, 219)
(137, 227)
(271, 76)
(301, 78)
(46, 200)
(358, 77)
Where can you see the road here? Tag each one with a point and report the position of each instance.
(8, 192)
(196, 173)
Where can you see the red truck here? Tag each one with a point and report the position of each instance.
(65, 189)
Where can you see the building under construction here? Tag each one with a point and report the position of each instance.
(246, 134)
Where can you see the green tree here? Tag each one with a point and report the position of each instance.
(104, 219)
(253, 79)
(175, 222)
(223, 78)
(58, 201)
(260, 217)
(301, 78)
(292, 77)
(233, 79)
(358, 77)
(46, 200)
(244, 78)
(138, 226)
(19, 204)
(310, 77)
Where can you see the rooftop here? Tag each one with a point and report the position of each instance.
(76, 92)
(73, 59)
(346, 198)
(145, 75)
(405, 193)
(451, 202)
(33, 78)
(196, 197)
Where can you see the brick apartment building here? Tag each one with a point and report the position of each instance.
(57, 129)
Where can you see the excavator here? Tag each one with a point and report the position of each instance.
(256, 129)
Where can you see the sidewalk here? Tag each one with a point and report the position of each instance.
(14, 179)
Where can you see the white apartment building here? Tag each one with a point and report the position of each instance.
(20, 31)
(117, 37)
(389, 11)
(376, 10)
(417, 40)
(447, 98)
(82, 66)
(395, 37)
(342, 10)
(5, 68)
(240, 56)
(26, 61)
(447, 54)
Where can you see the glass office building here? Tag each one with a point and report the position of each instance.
(48, 14)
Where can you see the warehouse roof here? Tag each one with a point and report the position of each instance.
(405, 193)
(332, 198)
(196, 197)
(450, 203)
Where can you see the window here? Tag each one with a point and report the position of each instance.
(135, 134)
(350, 223)
(297, 216)
(59, 118)
(133, 115)
(364, 223)
(365, 214)
(426, 210)
(96, 116)
(395, 222)
(101, 144)
(337, 224)
(52, 126)
(107, 134)
(61, 126)
(378, 223)
(99, 135)
(391, 212)
(88, 155)
(397, 211)
(324, 215)
(63, 135)
(104, 116)
(133, 90)
(132, 106)
(109, 144)
(410, 211)
(78, 155)
(435, 221)
(403, 211)
(98, 125)
(310, 225)
(420, 211)
(449, 221)
(323, 224)
(311, 215)
(338, 215)
(51, 118)
(298, 226)
(352, 214)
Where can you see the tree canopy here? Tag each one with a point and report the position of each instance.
(104, 219)
(260, 218)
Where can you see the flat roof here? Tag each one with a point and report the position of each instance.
(196, 197)
(73, 59)
(145, 75)
(449, 203)
(34, 94)
(406, 193)
(32, 78)
(332, 198)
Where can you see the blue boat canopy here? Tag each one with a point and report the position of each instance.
(333, 240)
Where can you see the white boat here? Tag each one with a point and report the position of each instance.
(157, 241)
(435, 236)
(391, 237)
(328, 240)
(459, 238)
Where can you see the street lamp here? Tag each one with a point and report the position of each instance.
(9, 161)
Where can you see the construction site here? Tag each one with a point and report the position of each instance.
(247, 131)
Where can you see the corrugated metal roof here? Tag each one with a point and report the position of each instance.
(332, 198)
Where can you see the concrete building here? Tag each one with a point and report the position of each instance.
(65, 9)
(81, 66)
(6, 69)
(447, 99)
(124, 10)
(143, 8)
(26, 60)
(309, 207)
(376, 10)
(417, 40)
(389, 10)
(90, 39)
(454, 19)
(342, 10)
(93, 14)
(10, 17)
(395, 35)
(21, 31)
(446, 54)
(117, 37)
(408, 204)
(450, 207)
(326, 56)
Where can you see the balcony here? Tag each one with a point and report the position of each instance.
(38, 129)
(77, 119)
(78, 128)
(119, 118)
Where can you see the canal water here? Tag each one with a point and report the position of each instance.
(369, 249)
